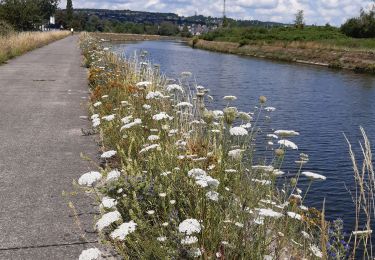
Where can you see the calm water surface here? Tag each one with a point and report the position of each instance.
(319, 103)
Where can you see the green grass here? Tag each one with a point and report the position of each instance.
(324, 35)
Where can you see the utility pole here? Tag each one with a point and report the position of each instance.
(224, 23)
(224, 15)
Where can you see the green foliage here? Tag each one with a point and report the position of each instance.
(168, 29)
(5, 29)
(311, 33)
(299, 21)
(362, 26)
(69, 11)
(27, 14)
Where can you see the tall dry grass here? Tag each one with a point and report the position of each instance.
(18, 43)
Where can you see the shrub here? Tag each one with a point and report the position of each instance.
(5, 29)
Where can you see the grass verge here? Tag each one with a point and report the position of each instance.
(16, 44)
(314, 53)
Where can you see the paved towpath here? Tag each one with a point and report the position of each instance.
(41, 100)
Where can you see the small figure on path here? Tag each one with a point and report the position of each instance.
(72, 30)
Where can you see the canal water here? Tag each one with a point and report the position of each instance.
(320, 103)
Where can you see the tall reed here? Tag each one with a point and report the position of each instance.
(16, 44)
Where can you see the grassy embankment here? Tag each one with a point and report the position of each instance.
(178, 181)
(16, 44)
(325, 46)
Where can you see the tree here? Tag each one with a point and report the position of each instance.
(69, 12)
(185, 32)
(27, 14)
(362, 26)
(299, 21)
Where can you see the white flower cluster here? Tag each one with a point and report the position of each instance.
(123, 230)
(189, 226)
(89, 178)
(202, 179)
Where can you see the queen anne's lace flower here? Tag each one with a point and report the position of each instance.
(238, 131)
(143, 84)
(89, 178)
(286, 133)
(288, 144)
(148, 148)
(184, 104)
(90, 254)
(123, 230)
(189, 226)
(313, 175)
(108, 203)
(109, 117)
(161, 116)
(175, 87)
(236, 154)
(108, 154)
(107, 219)
(212, 195)
(113, 175)
(154, 95)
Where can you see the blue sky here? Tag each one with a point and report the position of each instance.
(334, 12)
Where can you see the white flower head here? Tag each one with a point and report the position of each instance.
(143, 84)
(189, 226)
(184, 105)
(108, 154)
(212, 195)
(316, 251)
(109, 117)
(123, 230)
(175, 88)
(229, 98)
(90, 254)
(161, 116)
(108, 203)
(189, 240)
(97, 104)
(154, 95)
(153, 138)
(94, 116)
(146, 107)
(148, 148)
(161, 239)
(113, 175)
(236, 154)
(288, 144)
(313, 175)
(294, 215)
(238, 131)
(107, 219)
(269, 213)
(89, 178)
(269, 109)
(286, 133)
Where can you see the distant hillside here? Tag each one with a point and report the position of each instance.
(158, 18)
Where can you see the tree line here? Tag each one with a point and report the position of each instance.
(26, 15)
(362, 26)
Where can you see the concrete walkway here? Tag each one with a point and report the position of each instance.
(41, 101)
